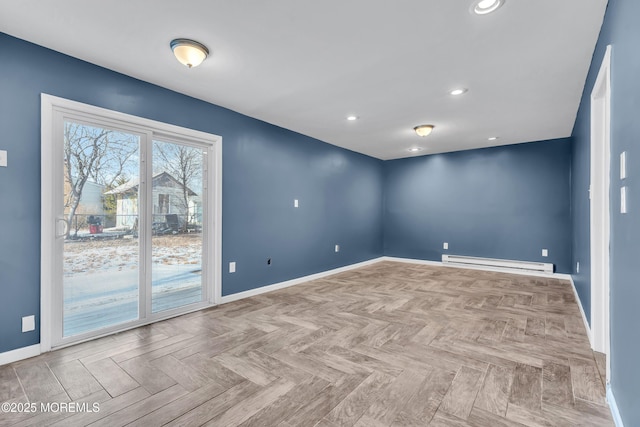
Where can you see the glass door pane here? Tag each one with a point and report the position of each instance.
(177, 226)
(101, 246)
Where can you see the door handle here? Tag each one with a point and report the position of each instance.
(65, 227)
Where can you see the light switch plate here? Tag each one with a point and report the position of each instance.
(445, 245)
(232, 267)
(337, 248)
(545, 252)
(295, 203)
(3, 158)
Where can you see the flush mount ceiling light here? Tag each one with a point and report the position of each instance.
(459, 91)
(189, 52)
(415, 149)
(352, 118)
(483, 7)
(492, 138)
(423, 130)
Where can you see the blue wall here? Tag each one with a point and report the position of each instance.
(340, 202)
(621, 30)
(264, 169)
(503, 202)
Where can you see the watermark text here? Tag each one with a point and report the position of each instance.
(49, 407)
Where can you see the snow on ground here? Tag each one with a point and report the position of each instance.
(100, 286)
(100, 255)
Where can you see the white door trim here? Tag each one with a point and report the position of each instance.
(48, 268)
(600, 206)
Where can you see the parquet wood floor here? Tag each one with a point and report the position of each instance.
(391, 344)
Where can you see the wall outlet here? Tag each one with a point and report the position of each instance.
(545, 252)
(295, 203)
(3, 158)
(232, 267)
(337, 248)
(445, 245)
(28, 323)
(578, 267)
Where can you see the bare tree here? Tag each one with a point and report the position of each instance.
(93, 154)
(184, 164)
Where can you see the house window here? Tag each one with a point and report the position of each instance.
(163, 204)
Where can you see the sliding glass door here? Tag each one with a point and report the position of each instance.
(177, 225)
(100, 250)
(127, 222)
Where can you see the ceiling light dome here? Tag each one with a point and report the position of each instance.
(482, 7)
(423, 130)
(189, 52)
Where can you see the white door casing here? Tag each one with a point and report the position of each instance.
(600, 207)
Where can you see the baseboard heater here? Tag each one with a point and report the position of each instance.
(498, 263)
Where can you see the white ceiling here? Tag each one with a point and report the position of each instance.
(307, 65)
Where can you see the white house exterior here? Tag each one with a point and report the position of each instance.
(168, 198)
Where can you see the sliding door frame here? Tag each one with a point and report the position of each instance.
(51, 108)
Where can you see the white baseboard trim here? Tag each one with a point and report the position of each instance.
(477, 267)
(584, 316)
(269, 288)
(613, 406)
(19, 354)
(412, 261)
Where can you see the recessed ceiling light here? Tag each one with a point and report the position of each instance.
(352, 118)
(415, 149)
(492, 138)
(459, 91)
(482, 7)
(423, 130)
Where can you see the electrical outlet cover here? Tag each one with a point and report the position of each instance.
(28, 323)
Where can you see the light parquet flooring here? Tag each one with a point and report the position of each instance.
(391, 344)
